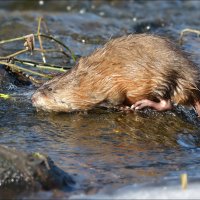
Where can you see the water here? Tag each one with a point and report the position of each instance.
(108, 153)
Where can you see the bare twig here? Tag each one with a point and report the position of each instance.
(34, 63)
(41, 65)
(13, 39)
(30, 42)
(17, 68)
(40, 39)
(45, 26)
(187, 30)
(30, 46)
(14, 54)
(52, 50)
(42, 35)
(59, 42)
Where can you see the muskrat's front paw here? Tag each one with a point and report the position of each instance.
(163, 105)
(142, 104)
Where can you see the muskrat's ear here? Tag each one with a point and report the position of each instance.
(197, 107)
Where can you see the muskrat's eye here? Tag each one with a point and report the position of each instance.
(49, 89)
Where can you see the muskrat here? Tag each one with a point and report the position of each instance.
(138, 70)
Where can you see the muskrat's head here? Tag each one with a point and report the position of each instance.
(55, 95)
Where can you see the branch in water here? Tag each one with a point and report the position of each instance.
(187, 30)
(17, 68)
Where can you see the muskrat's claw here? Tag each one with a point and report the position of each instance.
(144, 103)
(133, 107)
(123, 108)
(160, 106)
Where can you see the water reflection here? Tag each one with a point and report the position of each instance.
(113, 147)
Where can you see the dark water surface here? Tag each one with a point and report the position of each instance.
(102, 149)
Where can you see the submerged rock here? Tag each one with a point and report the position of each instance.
(34, 171)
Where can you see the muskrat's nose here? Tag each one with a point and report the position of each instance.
(34, 99)
(39, 99)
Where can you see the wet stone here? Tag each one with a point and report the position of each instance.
(32, 171)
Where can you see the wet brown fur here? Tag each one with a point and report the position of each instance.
(124, 71)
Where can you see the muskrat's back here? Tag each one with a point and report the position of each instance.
(126, 70)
